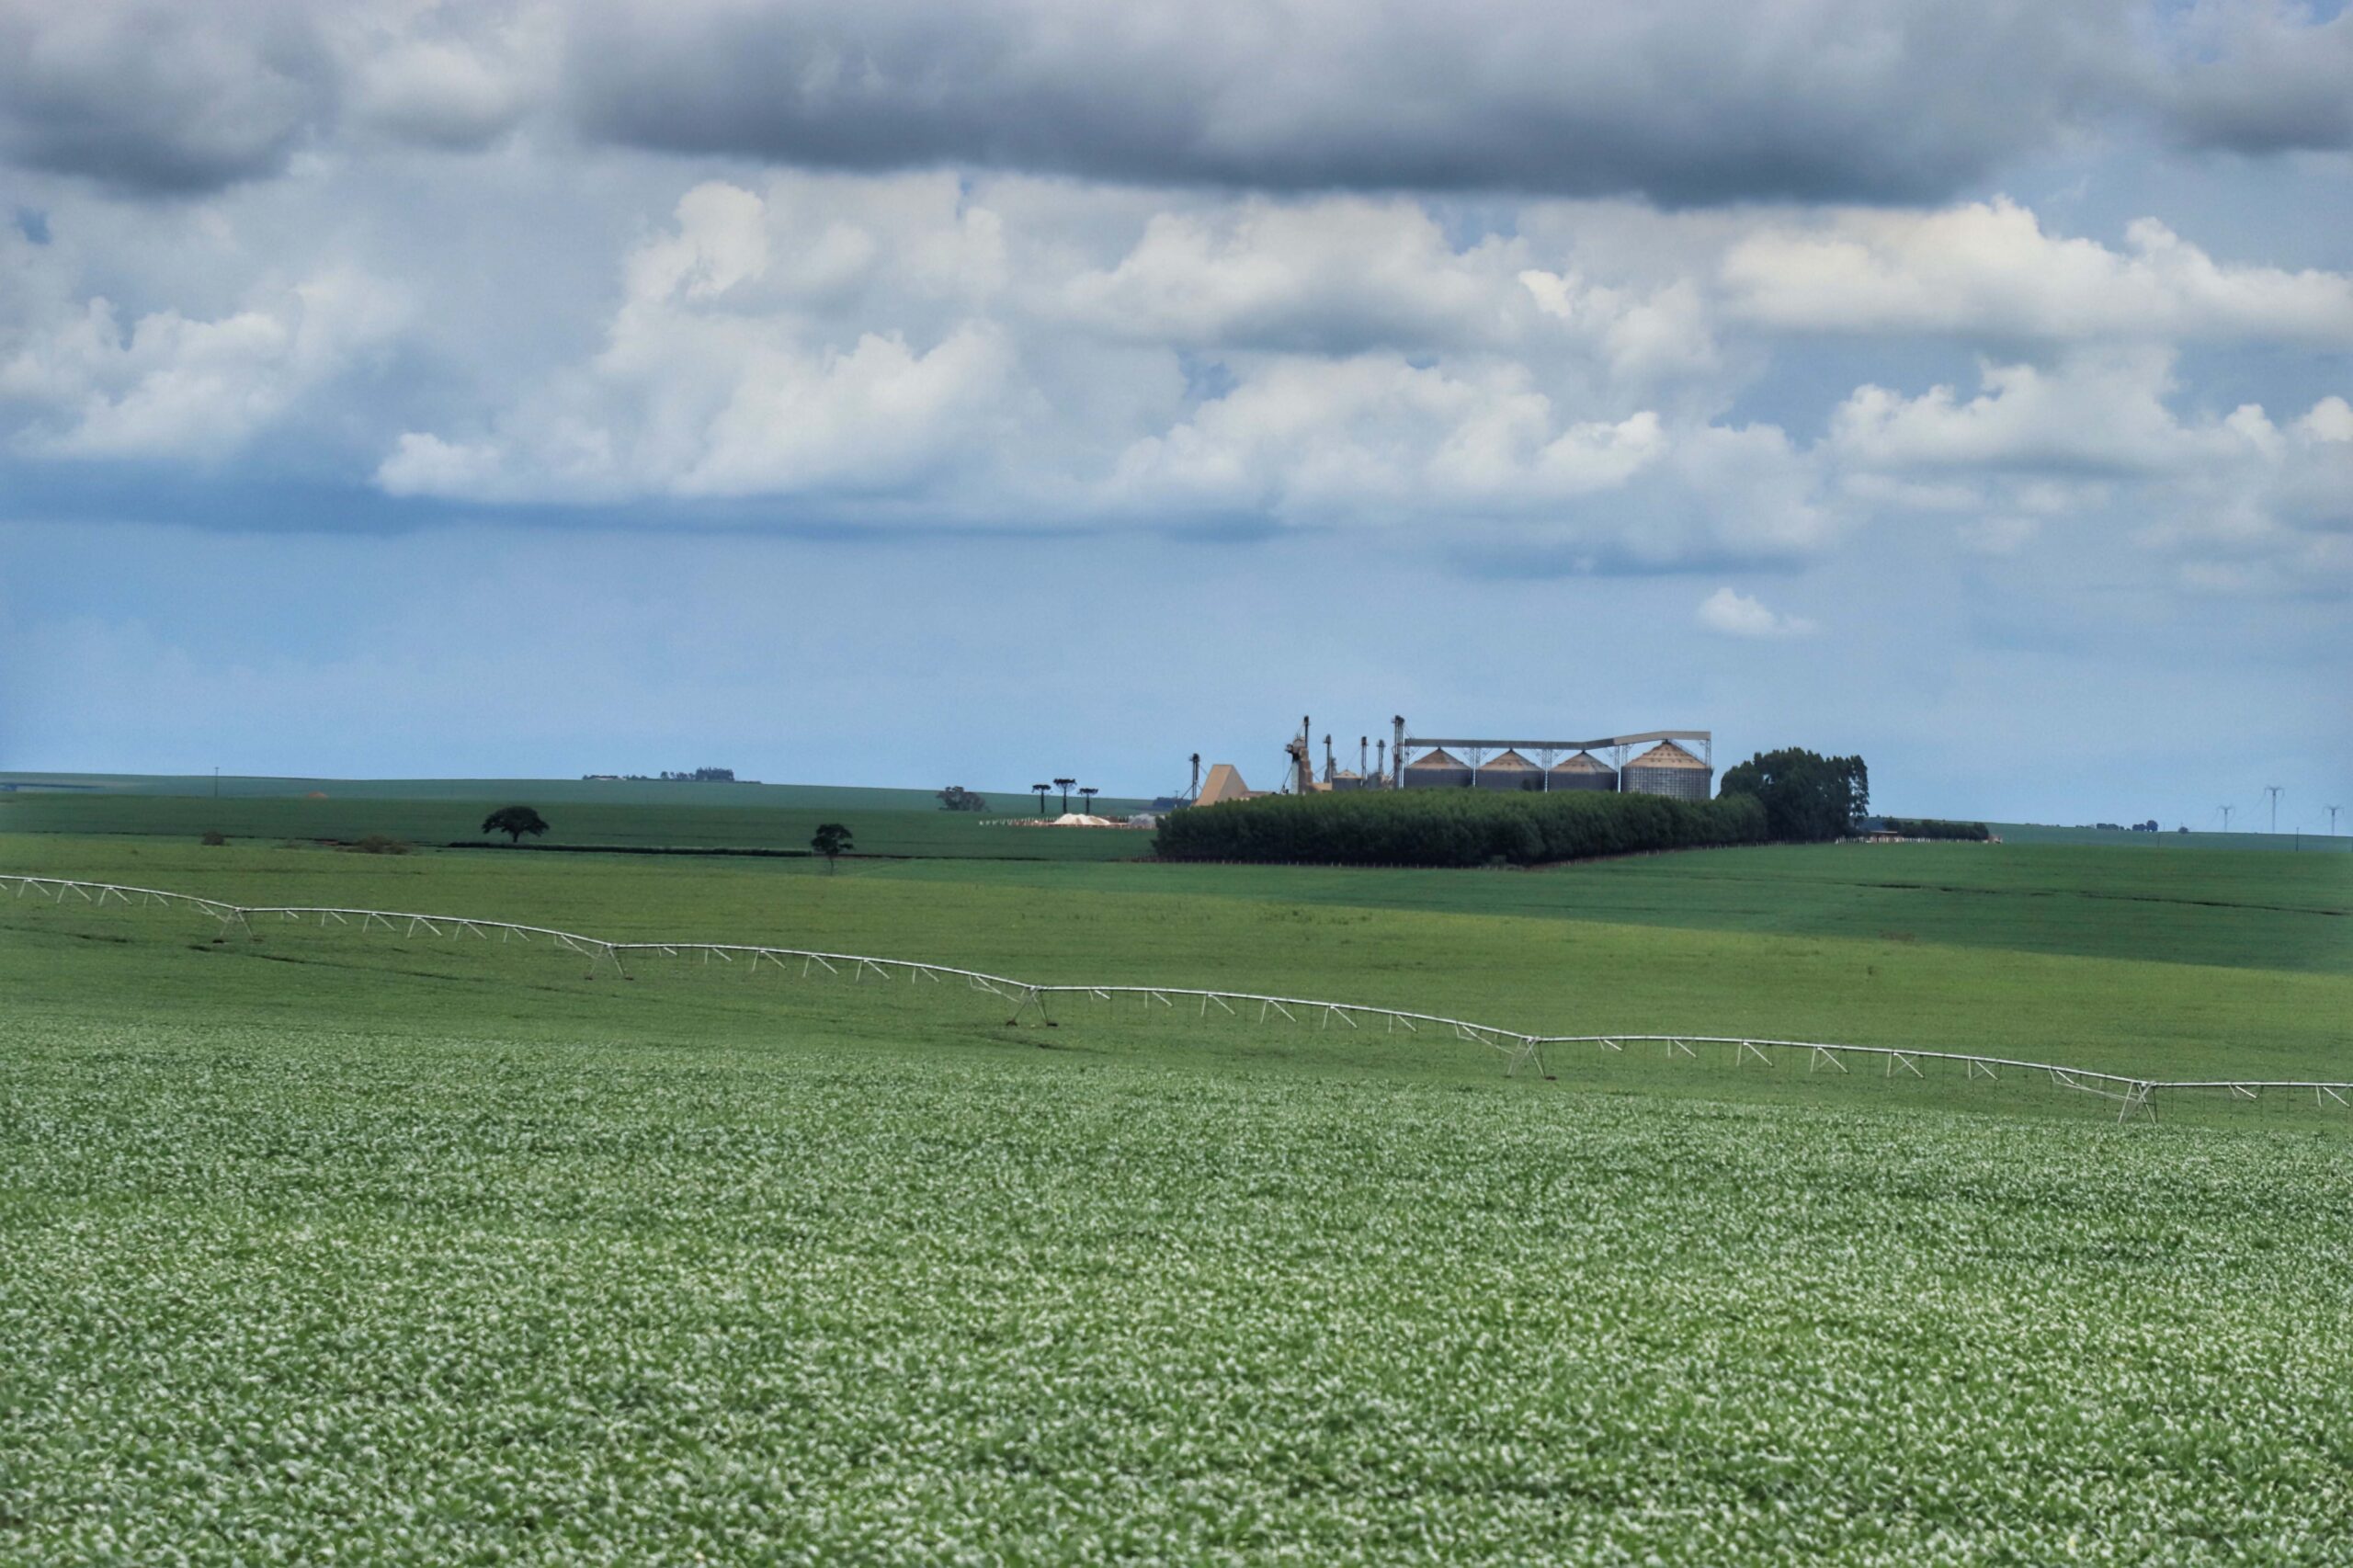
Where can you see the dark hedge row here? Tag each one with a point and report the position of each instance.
(1452, 827)
(1930, 827)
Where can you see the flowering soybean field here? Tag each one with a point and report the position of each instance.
(316, 1243)
(266, 1296)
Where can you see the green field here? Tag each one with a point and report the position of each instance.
(2309, 842)
(691, 819)
(441, 1251)
(661, 793)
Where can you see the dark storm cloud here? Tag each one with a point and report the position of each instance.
(158, 99)
(1703, 102)
(2270, 84)
(1697, 102)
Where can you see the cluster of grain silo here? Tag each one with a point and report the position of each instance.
(1668, 767)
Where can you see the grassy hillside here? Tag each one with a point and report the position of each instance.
(2242, 911)
(2179, 1006)
(436, 1250)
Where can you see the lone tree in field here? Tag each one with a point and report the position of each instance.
(515, 822)
(1087, 796)
(1063, 785)
(832, 841)
(1042, 790)
(1807, 798)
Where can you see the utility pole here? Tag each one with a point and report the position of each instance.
(2227, 818)
(2273, 790)
(216, 782)
(2332, 820)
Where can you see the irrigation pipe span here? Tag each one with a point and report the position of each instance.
(2131, 1094)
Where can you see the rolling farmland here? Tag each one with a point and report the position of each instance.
(693, 818)
(446, 1251)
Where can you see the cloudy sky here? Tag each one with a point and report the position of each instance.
(885, 393)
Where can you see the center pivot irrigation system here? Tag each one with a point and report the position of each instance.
(2131, 1094)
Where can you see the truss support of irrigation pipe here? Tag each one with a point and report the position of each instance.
(2133, 1095)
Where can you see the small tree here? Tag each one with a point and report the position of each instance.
(515, 822)
(832, 841)
(1087, 796)
(1064, 785)
(1042, 790)
(956, 798)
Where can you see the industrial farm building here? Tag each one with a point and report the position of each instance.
(1678, 763)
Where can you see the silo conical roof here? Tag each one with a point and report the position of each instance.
(1666, 754)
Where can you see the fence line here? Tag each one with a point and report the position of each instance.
(2133, 1094)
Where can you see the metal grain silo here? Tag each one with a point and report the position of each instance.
(1508, 771)
(1583, 771)
(1667, 769)
(1437, 770)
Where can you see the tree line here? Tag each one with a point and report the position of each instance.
(1931, 827)
(1449, 827)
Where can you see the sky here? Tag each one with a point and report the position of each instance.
(891, 393)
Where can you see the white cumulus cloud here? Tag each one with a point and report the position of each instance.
(1988, 270)
(1731, 613)
(167, 385)
(2097, 412)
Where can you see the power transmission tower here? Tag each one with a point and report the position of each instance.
(2273, 790)
(2332, 820)
(2226, 811)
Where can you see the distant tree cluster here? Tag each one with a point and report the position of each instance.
(1452, 827)
(1930, 827)
(956, 798)
(1808, 798)
(698, 776)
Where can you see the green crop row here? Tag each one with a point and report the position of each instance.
(1454, 827)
